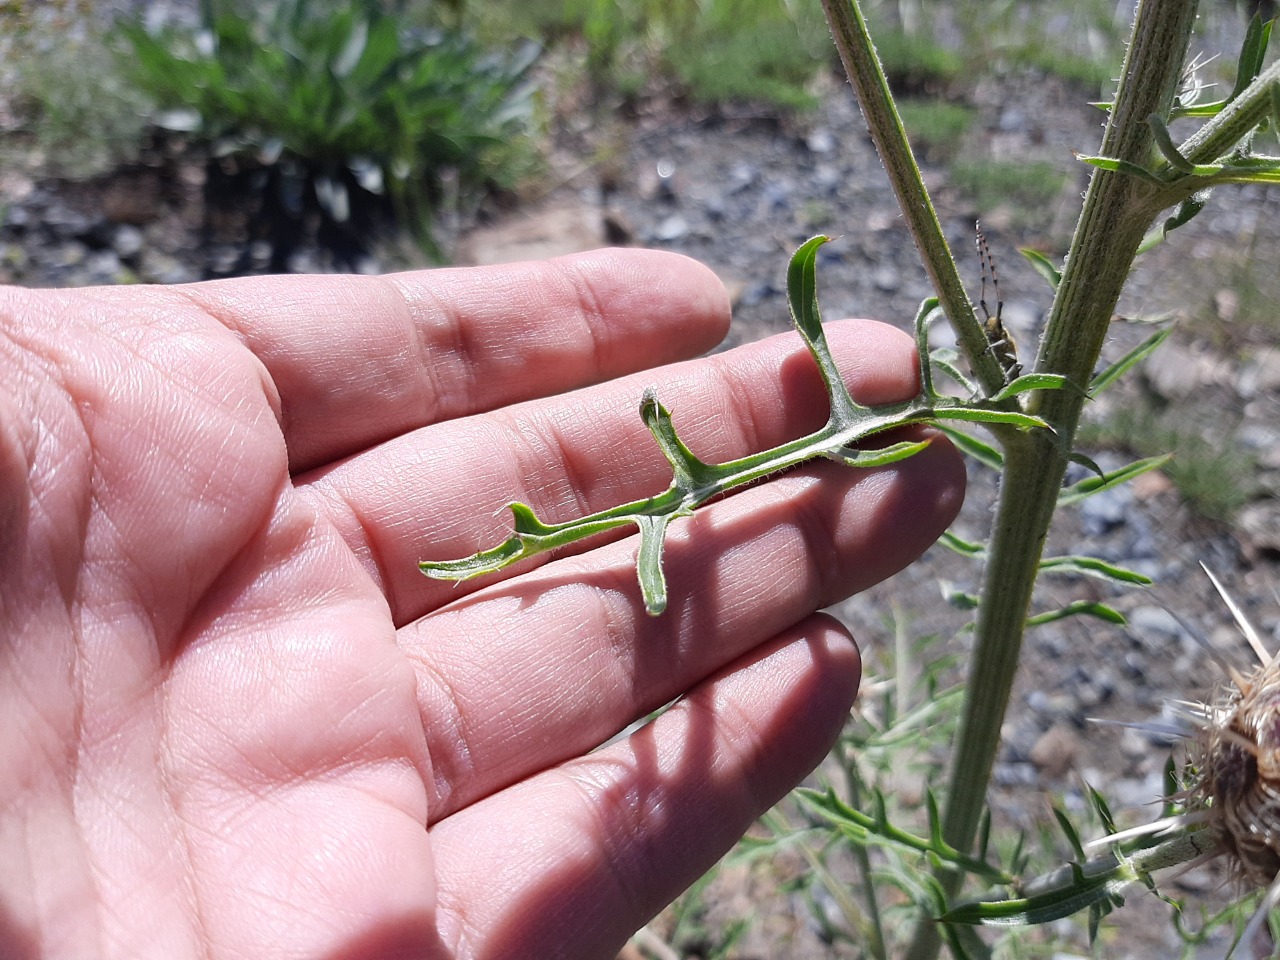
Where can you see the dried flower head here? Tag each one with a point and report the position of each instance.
(1236, 755)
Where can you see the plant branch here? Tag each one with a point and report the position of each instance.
(1116, 213)
(858, 54)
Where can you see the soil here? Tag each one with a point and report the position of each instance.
(739, 190)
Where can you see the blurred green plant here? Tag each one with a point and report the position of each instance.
(72, 113)
(1025, 189)
(1215, 476)
(712, 50)
(925, 45)
(334, 104)
(936, 127)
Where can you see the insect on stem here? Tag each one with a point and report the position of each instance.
(999, 340)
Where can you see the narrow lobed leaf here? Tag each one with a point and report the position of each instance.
(878, 457)
(653, 581)
(984, 453)
(1043, 266)
(802, 295)
(1093, 567)
(965, 548)
(1164, 143)
(1091, 485)
(1081, 608)
(1253, 53)
(1035, 381)
(1128, 361)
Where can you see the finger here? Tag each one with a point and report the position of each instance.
(439, 493)
(359, 359)
(523, 675)
(588, 852)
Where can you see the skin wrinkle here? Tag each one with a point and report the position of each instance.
(420, 322)
(540, 442)
(591, 312)
(442, 711)
(173, 802)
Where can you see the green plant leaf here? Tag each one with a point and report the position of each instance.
(983, 414)
(1122, 166)
(984, 453)
(1122, 366)
(694, 482)
(1086, 608)
(865, 828)
(688, 471)
(1043, 266)
(945, 360)
(1164, 143)
(1253, 53)
(653, 582)
(1069, 831)
(1084, 891)
(879, 457)
(965, 548)
(1093, 567)
(802, 294)
(1091, 485)
(1034, 381)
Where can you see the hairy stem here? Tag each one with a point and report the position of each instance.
(1116, 213)
(861, 63)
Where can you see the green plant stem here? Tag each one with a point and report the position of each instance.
(1116, 213)
(858, 54)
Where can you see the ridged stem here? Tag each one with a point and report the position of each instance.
(857, 53)
(1116, 214)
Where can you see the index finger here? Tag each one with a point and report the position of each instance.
(358, 360)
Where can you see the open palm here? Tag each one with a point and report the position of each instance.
(237, 722)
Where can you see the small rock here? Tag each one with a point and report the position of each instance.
(103, 266)
(1055, 753)
(1226, 304)
(820, 140)
(69, 254)
(1260, 375)
(886, 278)
(758, 292)
(1133, 744)
(1012, 120)
(1258, 529)
(1106, 510)
(776, 196)
(157, 267)
(1136, 793)
(1149, 485)
(1154, 627)
(17, 218)
(1014, 775)
(741, 176)
(672, 228)
(65, 223)
(1181, 372)
(127, 241)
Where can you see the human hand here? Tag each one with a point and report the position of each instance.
(239, 723)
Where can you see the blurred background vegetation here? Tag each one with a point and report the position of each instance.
(373, 110)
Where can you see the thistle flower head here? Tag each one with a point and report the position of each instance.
(1238, 752)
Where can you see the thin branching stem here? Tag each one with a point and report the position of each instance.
(1117, 212)
(849, 29)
